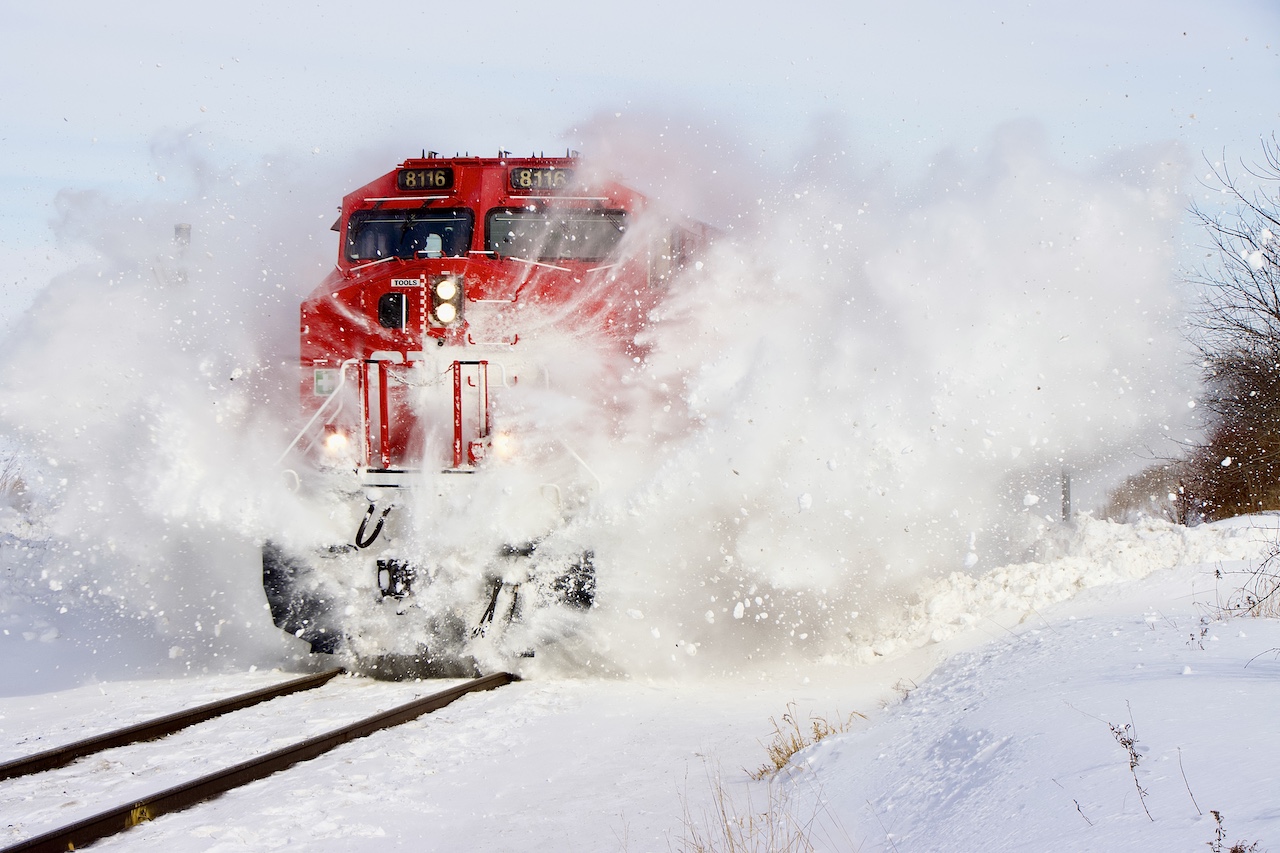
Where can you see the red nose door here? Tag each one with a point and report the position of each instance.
(389, 423)
(471, 422)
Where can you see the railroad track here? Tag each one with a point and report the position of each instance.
(75, 835)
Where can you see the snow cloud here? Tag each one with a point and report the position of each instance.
(866, 381)
(861, 388)
(150, 388)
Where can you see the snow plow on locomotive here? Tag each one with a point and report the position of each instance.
(436, 490)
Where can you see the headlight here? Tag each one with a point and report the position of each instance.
(446, 300)
(335, 443)
(504, 445)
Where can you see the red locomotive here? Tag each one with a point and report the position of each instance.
(431, 465)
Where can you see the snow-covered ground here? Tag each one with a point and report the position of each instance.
(935, 293)
(1013, 745)
(992, 708)
(821, 484)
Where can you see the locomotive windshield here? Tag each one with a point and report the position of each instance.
(376, 234)
(578, 235)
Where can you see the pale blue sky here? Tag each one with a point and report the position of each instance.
(88, 88)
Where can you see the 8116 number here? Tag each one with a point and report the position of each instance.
(540, 179)
(425, 179)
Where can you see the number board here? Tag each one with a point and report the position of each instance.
(415, 180)
(525, 180)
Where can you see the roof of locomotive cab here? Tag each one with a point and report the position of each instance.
(384, 189)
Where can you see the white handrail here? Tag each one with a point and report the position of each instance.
(583, 463)
(342, 380)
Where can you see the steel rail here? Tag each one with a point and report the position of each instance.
(76, 835)
(157, 728)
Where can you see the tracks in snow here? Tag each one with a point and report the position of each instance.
(102, 824)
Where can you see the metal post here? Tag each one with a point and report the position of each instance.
(366, 413)
(181, 241)
(457, 414)
(1066, 496)
(384, 413)
(486, 423)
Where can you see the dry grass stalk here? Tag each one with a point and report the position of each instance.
(12, 488)
(789, 738)
(727, 827)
